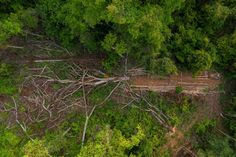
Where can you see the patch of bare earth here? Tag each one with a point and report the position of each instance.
(193, 85)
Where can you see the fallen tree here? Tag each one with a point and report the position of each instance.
(42, 103)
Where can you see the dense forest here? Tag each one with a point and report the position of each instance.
(68, 70)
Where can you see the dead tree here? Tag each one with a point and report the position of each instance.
(44, 104)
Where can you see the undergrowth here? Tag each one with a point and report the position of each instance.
(9, 79)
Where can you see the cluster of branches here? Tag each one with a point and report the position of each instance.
(137, 97)
(41, 103)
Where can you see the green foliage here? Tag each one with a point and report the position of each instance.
(216, 16)
(163, 66)
(178, 90)
(9, 26)
(13, 17)
(110, 62)
(204, 126)
(35, 148)
(229, 121)
(8, 80)
(9, 143)
(218, 146)
(5, 70)
(159, 35)
(98, 95)
(177, 112)
(64, 141)
(152, 33)
(110, 43)
(111, 143)
(226, 54)
(186, 106)
(208, 143)
(122, 125)
(56, 143)
(61, 69)
(129, 25)
(199, 60)
(29, 18)
(47, 9)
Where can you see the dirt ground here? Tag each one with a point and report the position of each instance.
(203, 83)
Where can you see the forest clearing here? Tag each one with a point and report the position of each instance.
(43, 85)
(117, 78)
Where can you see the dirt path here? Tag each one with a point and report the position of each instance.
(203, 83)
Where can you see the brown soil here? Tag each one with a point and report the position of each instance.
(194, 85)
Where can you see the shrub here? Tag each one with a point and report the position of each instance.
(7, 80)
(9, 143)
(9, 26)
(163, 66)
(199, 60)
(35, 148)
(204, 126)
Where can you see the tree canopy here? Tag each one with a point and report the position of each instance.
(195, 35)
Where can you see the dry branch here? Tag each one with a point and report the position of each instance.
(50, 106)
(94, 107)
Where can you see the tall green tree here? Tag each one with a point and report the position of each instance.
(111, 143)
